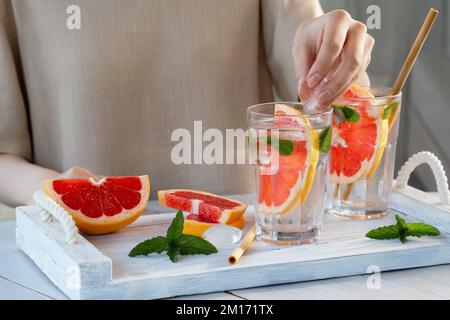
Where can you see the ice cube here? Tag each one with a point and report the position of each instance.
(222, 235)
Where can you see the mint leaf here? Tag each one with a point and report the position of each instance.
(173, 253)
(285, 147)
(401, 223)
(175, 243)
(190, 244)
(338, 117)
(402, 230)
(389, 109)
(350, 114)
(325, 139)
(422, 230)
(383, 233)
(176, 227)
(154, 245)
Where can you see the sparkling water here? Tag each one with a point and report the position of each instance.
(301, 222)
(368, 197)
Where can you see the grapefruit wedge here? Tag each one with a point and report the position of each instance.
(196, 226)
(104, 206)
(207, 206)
(290, 184)
(357, 147)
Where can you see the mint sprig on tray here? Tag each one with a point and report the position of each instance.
(175, 243)
(402, 230)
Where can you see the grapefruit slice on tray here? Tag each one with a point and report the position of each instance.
(196, 226)
(357, 147)
(207, 206)
(289, 186)
(104, 206)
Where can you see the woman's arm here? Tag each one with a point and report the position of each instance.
(19, 179)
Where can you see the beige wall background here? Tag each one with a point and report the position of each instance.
(425, 123)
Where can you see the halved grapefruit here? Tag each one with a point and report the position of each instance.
(196, 226)
(357, 147)
(290, 184)
(103, 206)
(207, 206)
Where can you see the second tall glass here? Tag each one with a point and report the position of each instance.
(362, 156)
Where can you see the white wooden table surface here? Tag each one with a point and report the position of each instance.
(21, 279)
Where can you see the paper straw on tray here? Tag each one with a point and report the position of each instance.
(245, 243)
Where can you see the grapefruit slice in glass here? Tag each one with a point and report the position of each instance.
(104, 206)
(289, 186)
(207, 206)
(357, 147)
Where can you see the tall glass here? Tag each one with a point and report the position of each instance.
(362, 155)
(290, 171)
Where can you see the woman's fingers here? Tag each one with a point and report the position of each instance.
(354, 58)
(333, 47)
(77, 172)
(336, 26)
(303, 58)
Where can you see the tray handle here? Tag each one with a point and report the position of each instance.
(53, 210)
(438, 172)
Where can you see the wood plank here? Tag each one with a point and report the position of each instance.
(18, 268)
(349, 288)
(12, 291)
(209, 296)
(430, 281)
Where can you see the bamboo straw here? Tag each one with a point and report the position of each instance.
(407, 67)
(414, 52)
(245, 243)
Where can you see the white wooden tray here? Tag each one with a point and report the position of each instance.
(98, 267)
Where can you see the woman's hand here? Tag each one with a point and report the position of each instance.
(333, 47)
(19, 179)
(77, 173)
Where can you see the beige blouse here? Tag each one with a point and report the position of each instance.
(108, 96)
